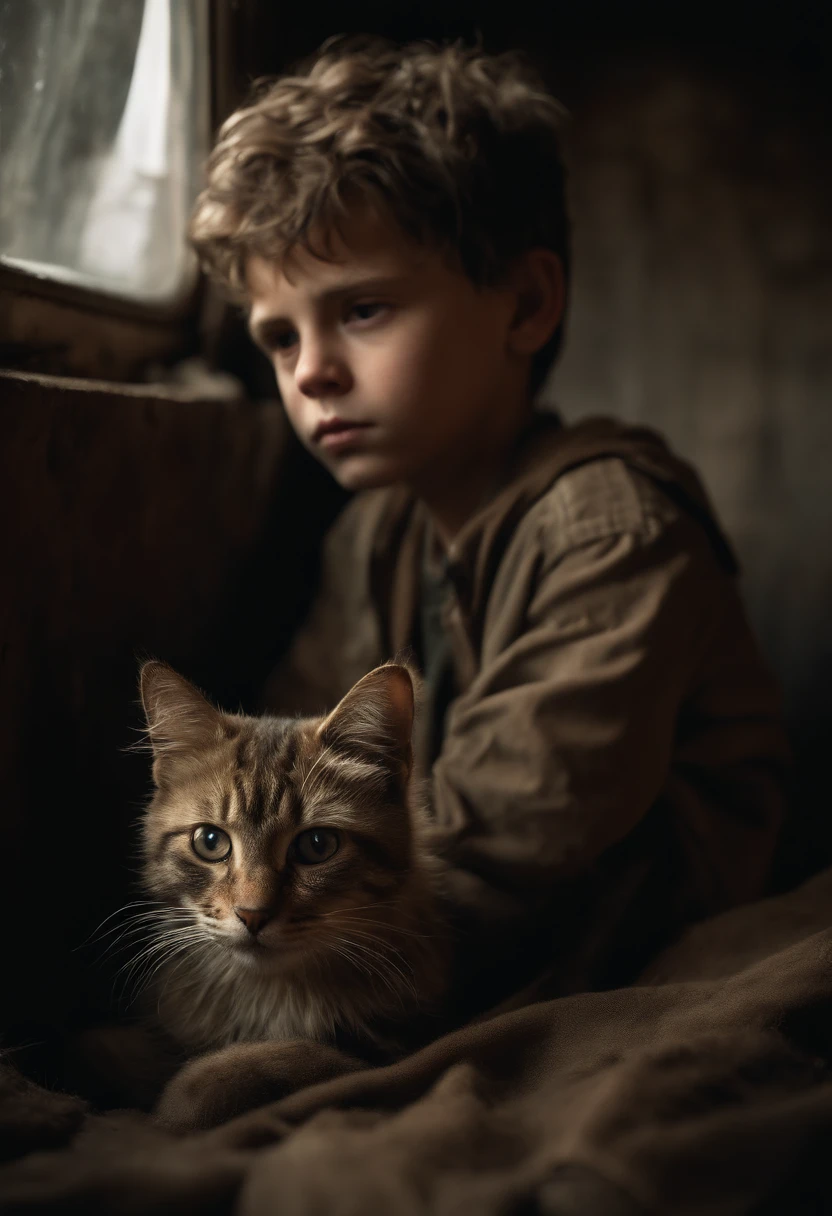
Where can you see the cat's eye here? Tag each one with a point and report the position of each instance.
(210, 843)
(316, 845)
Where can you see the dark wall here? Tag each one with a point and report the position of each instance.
(702, 197)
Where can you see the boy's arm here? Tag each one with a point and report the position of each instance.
(572, 732)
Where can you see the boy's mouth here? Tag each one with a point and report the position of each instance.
(338, 432)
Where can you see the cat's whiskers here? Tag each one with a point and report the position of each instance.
(155, 949)
(156, 909)
(390, 963)
(379, 944)
(169, 975)
(138, 925)
(163, 939)
(380, 906)
(192, 979)
(142, 969)
(379, 925)
(388, 977)
(345, 952)
(380, 963)
(136, 903)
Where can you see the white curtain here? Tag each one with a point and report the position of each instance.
(118, 236)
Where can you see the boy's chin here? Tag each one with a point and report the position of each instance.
(356, 475)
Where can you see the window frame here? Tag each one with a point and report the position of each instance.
(159, 329)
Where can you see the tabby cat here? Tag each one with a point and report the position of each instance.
(300, 912)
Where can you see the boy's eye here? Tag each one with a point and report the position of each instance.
(283, 340)
(365, 310)
(273, 335)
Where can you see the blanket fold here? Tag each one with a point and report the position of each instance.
(703, 1089)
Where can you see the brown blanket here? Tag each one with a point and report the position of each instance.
(704, 1089)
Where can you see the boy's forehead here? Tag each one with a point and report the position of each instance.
(366, 246)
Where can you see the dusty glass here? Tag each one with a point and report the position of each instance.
(103, 128)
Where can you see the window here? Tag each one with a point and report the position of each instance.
(104, 124)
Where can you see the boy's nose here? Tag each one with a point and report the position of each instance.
(319, 373)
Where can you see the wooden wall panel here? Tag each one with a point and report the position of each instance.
(136, 522)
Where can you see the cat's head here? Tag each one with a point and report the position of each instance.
(278, 839)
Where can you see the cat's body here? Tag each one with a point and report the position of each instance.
(298, 904)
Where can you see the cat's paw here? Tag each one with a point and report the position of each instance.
(214, 1088)
(199, 1096)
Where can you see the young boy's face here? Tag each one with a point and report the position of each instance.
(392, 366)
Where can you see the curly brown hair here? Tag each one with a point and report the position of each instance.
(460, 147)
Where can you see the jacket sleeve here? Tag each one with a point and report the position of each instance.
(574, 727)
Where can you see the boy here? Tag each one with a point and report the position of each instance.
(602, 742)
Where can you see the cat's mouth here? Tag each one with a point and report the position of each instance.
(251, 946)
(253, 952)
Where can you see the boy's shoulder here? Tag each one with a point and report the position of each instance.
(605, 496)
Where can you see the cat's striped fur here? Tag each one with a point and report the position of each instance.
(350, 945)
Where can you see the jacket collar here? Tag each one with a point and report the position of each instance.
(546, 451)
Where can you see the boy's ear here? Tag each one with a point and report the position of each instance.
(539, 284)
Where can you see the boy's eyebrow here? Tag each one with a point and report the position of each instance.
(263, 324)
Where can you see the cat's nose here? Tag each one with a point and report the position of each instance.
(253, 918)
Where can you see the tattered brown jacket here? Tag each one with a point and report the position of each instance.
(612, 762)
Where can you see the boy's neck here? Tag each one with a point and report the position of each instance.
(455, 493)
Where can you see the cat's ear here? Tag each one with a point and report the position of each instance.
(179, 719)
(375, 720)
